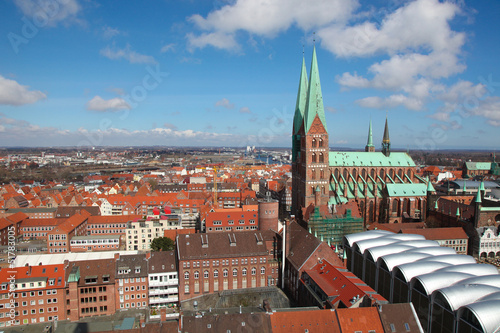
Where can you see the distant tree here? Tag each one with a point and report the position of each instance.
(154, 184)
(162, 244)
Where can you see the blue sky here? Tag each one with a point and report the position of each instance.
(225, 73)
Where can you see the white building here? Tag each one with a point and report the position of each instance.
(163, 279)
(489, 242)
(141, 233)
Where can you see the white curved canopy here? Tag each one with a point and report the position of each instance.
(486, 313)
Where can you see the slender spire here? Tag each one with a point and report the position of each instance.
(369, 144)
(386, 142)
(478, 197)
(430, 188)
(300, 106)
(314, 104)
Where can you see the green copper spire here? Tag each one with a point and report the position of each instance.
(314, 104)
(436, 207)
(386, 142)
(300, 106)
(458, 211)
(430, 188)
(481, 186)
(369, 144)
(478, 197)
(370, 136)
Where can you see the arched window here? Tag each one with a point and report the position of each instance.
(313, 157)
(320, 143)
(225, 273)
(354, 174)
(244, 271)
(363, 173)
(216, 273)
(382, 173)
(321, 158)
(313, 174)
(400, 173)
(254, 270)
(336, 173)
(262, 270)
(205, 274)
(346, 175)
(314, 143)
(235, 272)
(322, 190)
(395, 206)
(391, 173)
(186, 275)
(196, 274)
(322, 174)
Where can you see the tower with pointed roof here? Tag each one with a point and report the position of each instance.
(386, 142)
(310, 142)
(369, 144)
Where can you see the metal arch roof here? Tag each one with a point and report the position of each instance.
(423, 243)
(396, 259)
(376, 252)
(436, 280)
(361, 246)
(463, 294)
(59, 258)
(419, 267)
(349, 240)
(486, 313)
(488, 280)
(473, 269)
(436, 250)
(406, 237)
(452, 259)
(490, 297)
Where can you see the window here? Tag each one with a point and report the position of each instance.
(262, 270)
(216, 273)
(225, 273)
(205, 274)
(235, 272)
(254, 270)
(244, 272)
(196, 275)
(186, 275)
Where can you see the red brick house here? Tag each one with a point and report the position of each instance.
(214, 262)
(236, 219)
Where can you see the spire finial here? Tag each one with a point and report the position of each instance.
(314, 37)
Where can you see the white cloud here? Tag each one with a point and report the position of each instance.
(50, 12)
(167, 47)
(219, 40)
(245, 110)
(266, 18)
(391, 102)
(128, 54)
(114, 104)
(225, 103)
(12, 93)
(108, 32)
(488, 108)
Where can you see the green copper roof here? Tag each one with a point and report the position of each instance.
(406, 190)
(314, 104)
(367, 159)
(481, 186)
(386, 133)
(458, 211)
(478, 165)
(369, 143)
(74, 275)
(300, 106)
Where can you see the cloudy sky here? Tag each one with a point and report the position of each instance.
(225, 73)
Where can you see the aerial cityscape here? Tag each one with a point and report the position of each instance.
(249, 166)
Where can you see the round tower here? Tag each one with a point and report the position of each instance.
(268, 213)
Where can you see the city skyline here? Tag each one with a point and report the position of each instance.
(192, 73)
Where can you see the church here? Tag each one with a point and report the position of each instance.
(377, 186)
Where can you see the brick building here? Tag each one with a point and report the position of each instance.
(90, 288)
(39, 294)
(223, 261)
(163, 279)
(235, 219)
(95, 243)
(38, 228)
(109, 225)
(58, 238)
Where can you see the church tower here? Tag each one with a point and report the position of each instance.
(313, 168)
(386, 142)
(369, 144)
(298, 128)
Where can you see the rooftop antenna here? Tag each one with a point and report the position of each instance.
(314, 37)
